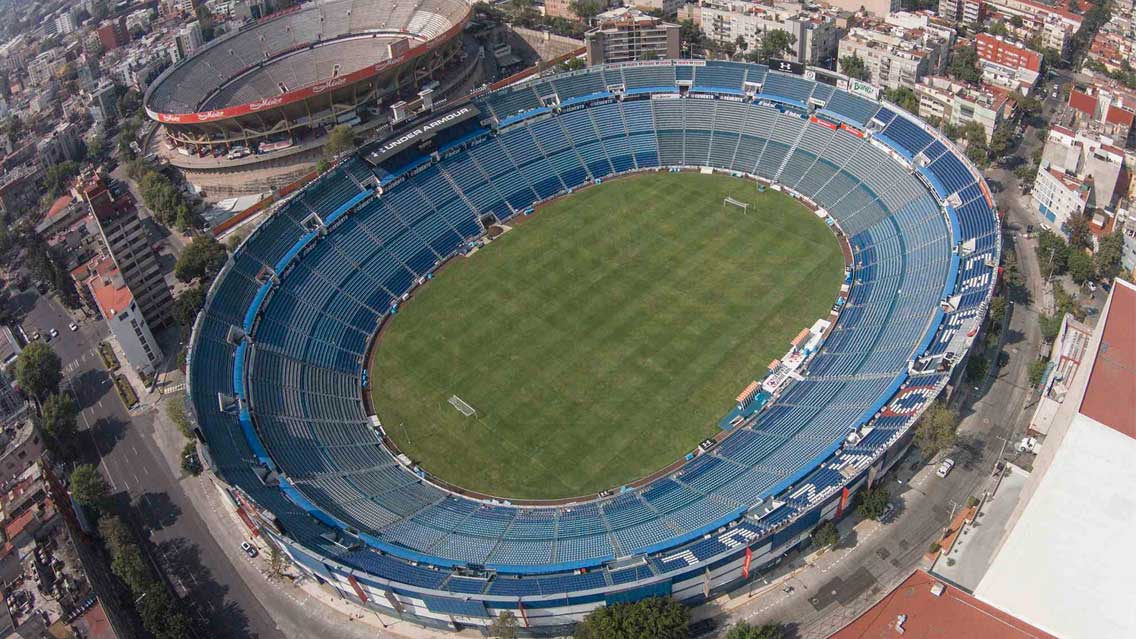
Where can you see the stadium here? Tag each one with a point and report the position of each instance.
(272, 88)
(288, 357)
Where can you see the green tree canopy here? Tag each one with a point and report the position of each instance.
(774, 44)
(963, 65)
(853, 67)
(1109, 254)
(586, 9)
(904, 98)
(936, 429)
(340, 140)
(1037, 371)
(745, 630)
(200, 259)
(504, 626)
(38, 370)
(825, 535)
(873, 502)
(1080, 265)
(187, 305)
(58, 421)
(652, 618)
(1052, 253)
(88, 486)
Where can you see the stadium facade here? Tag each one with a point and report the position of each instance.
(291, 317)
(280, 81)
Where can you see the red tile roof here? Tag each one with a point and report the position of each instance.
(108, 288)
(1083, 102)
(1110, 397)
(952, 614)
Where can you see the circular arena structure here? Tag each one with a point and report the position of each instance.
(278, 365)
(277, 82)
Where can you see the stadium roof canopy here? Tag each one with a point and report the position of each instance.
(923, 607)
(1065, 566)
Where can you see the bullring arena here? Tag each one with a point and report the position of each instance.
(312, 461)
(258, 103)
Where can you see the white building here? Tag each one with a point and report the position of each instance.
(959, 104)
(815, 31)
(1058, 197)
(116, 304)
(1089, 157)
(895, 56)
(64, 23)
(189, 39)
(1061, 564)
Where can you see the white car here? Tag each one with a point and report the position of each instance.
(249, 549)
(73, 326)
(945, 467)
(1092, 286)
(54, 333)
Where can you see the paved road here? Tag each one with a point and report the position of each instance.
(146, 490)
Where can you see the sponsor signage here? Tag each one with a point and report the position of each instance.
(863, 89)
(745, 565)
(421, 132)
(313, 89)
(786, 66)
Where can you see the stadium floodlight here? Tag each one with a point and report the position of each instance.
(462, 406)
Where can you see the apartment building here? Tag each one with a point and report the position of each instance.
(896, 54)
(1059, 197)
(129, 245)
(816, 31)
(1106, 108)
(1054, 25)
(118, 307)
(960, 104)
(1008, 64)
(1089, 157)
(627, 34)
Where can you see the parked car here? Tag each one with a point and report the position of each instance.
(35, 336)
(73, 326)
(54, 333)
(1092, 286)
(945, 467)
(249, 549)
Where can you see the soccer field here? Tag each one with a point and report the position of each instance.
(604, 337)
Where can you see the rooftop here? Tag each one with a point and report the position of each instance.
(108, 288)
(1111, 395)
(914, 611)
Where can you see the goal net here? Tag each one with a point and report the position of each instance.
(463, 408)
(729, 201)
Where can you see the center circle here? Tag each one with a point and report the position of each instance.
(602, 338)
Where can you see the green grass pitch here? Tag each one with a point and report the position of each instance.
(604, 337)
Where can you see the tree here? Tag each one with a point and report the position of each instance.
(504, 626)
(1029, 106)
(340, 140)
(977, 368)
(126, 560)
(651, 618)
(692, 35)
(904, 98)
(853, 66)
(963, 65)
(873, 502)
(775, 43)
(1080, 236)
(935, 429)
(187, 305)
(825, 535)
(202, 258)
(744, 630)
(1110, 251)
(1080, 266)
(586, 9)
(38, 370)
(88, 486)
(1037, 370)
(1052, 252)
(160, 614)
(741, 44)
(997, 28)
(58, 421)
(997, 311)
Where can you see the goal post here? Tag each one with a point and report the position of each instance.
(729, 201)
(462, 406)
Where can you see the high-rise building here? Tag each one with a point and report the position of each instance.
(104, 102)
(627, 34)
(1006, 63)
(119, 308)
(129, 245)
(113, 34)
(189, 39)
